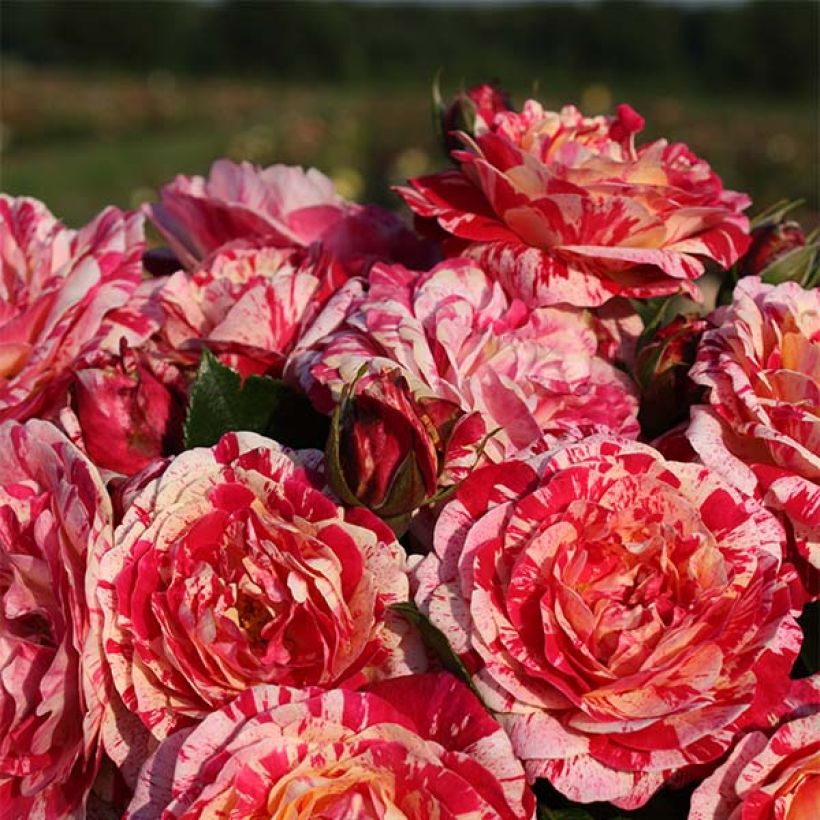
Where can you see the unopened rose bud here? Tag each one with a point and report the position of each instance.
(770, 242)
(130, 411)
(661, 370)
(474, 108)
(387, 447)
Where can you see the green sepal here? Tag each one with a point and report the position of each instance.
(436, 641)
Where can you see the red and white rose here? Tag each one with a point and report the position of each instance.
(625, 616)
(230, 569)
(55, 523)
(770, 778)
(247, 303)
(532, 375)
(761, 428)
(413, 747)
(126, 410)
(390, 451)
(56, 287)
(563, 208)
(286, 207)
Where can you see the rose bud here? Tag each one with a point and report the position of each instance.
(474, 108)
(661, 370)
(130, 410)
(387, 447)
(770, 242)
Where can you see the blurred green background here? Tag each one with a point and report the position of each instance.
(102, 102)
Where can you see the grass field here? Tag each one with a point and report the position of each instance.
(81, 141)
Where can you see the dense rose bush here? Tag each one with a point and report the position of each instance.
(565, 208)
(761, 428)
(245, 630)
(770, 778)
(625, 616)
(531, 374)
(247, 303)
(283, 205)
(230, 569)
(56, 287)
(55, 520)
(414, 747)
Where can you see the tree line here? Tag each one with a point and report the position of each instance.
(760, 48)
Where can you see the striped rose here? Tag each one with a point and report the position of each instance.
(248, 304)
(761, 426)
(415, 747)
(774, 777)
(625, 616)
(534, 376)
(56, 288)
(286, 206)
(230, 569)
(563, 208)
(55, 523)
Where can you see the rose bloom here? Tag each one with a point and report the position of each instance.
(415, 747)
(55, 520)
(230, 569)
(770, 778)
(248, 304)
(56, 286)
(531, 374)
(565, 208)
(286, 206)
(625, 616)
(761, 428)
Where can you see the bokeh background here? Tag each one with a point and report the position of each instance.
(102, 102)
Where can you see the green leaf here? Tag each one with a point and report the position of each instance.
(775, 213)
(221, 402)
(653, 313)
(436, 641)
(333, 460)
(799, 265)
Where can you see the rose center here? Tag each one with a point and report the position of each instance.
(343, 789)
(13, 358)
(253, 616)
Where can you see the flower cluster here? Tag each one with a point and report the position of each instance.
(306, 515)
